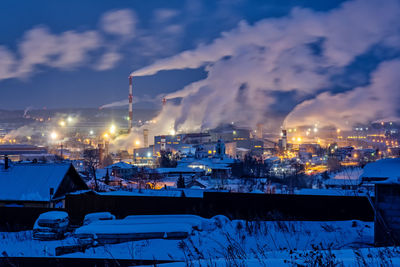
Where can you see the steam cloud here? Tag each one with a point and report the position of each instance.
(136, 99)
(298, 54)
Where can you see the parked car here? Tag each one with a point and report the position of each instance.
(97, 216)
(51, 225)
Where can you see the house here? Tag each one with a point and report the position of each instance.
(122, 170)
(381, 170)
(345, 184)
(15, 151)
(38, 184)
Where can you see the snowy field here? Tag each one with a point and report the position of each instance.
(235, 243)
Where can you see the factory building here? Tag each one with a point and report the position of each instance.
(16, 152)
(238, 142)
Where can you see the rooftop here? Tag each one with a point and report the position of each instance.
(31, 181)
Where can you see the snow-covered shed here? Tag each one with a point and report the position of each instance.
(381, 170)
(37, 184)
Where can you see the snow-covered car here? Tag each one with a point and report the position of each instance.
(51, 225)
(97, 216)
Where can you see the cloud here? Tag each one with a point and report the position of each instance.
(7, 63)
(68, 50)
(298, 54)
(108, 61)
(119, 22)
(164, 14)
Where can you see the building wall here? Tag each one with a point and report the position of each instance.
(387, 204)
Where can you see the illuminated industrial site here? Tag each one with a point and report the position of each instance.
(200, 133)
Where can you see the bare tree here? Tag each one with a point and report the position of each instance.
(92, 161)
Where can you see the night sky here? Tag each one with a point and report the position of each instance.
(36, 71)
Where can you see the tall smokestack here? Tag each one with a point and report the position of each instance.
(260, 133)
(130, 103)
(145, 137)
(284, 139)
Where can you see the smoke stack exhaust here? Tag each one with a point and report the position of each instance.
(130, 103)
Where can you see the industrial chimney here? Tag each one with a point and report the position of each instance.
(145, 137)
(260, 133)
(284, 139)
(130, 103)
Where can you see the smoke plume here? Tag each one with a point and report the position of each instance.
(298, 54)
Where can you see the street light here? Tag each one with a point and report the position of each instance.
(112, 129)
(53, 135)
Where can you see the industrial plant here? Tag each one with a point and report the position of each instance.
(248, 133)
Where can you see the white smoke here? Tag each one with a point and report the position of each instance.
(379, 100)
(248, 65)
(136, 99)
(27, 109)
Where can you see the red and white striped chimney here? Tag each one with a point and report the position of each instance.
(130, 103)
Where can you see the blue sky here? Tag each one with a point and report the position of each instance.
(159, 29)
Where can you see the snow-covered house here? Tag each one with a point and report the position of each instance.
(346, 179)
(381, 170)
(37, 184)
(122, 170)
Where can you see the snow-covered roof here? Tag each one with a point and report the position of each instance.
(329, 192)
(353, 174)
(179, 170)
(383, 168)
(121, 165)
(53, 215)
(342, 182)
(31, 182)
(198, 193)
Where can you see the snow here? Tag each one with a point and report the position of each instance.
(96, 216)
(342, 182)
(31, 182)
(53, 215)
(330, 192)
(269, 239)
(383, 168)
(349, 174)
(126, 227)
(193, 220)
(345, 258)
(198, 193)
(121, 165)
(179, 170)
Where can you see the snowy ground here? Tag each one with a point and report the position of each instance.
(229, 239)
